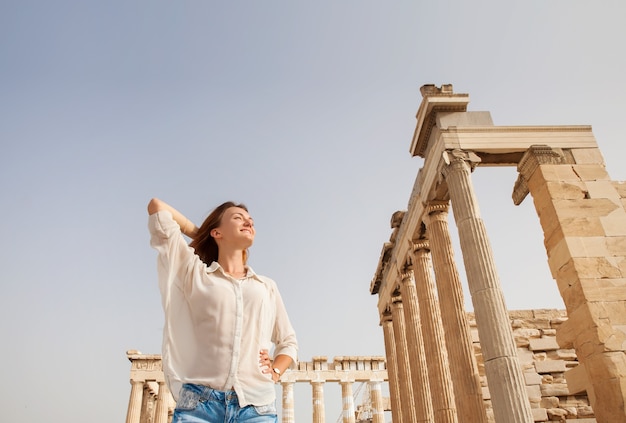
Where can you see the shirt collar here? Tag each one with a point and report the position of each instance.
(215, 266)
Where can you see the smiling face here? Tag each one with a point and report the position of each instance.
(236, 228)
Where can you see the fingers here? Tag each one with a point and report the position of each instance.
(265, 362)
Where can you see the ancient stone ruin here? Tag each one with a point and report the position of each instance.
(433, 371)
(446, 365)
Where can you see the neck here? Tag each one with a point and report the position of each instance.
(232, 262)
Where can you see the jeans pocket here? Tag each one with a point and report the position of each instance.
(264, 410)
(187, 400)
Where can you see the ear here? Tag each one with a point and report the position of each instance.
(215, 233)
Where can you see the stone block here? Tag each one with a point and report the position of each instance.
(581, 226)
(593, 290)
(581, 421)
(550, 366)
(556, 172)
(592, 267)
(607, 366)
(573, 190)
(587, 156)
(550, 402)
(525, 356)
(615, 223)
(534, 393)
(616, 245)
(589, 207)
(539, 414)
(557, 414)
(554, 390)
(567, 354)
(547, 343)
(591, 172)
(446, 120)
(603, 189)
(532, 378)
(577, 380)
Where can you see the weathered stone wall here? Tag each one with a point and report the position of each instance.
(543, 364)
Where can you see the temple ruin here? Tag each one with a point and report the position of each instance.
(446, 365)
(151, 401)
(433, 371)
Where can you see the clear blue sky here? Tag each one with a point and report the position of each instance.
(302, 110)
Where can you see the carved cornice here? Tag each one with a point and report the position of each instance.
(538, 155)
(520, 190)
(435, 100)
(518, 129)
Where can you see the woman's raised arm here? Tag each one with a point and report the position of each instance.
(186, 226)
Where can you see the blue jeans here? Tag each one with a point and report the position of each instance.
(201, 404)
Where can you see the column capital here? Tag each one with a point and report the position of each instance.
(457, 157)
(421, 244)
(535, 156)
(437, 206)
(538, 155)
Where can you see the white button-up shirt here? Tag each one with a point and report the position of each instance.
(215, 325)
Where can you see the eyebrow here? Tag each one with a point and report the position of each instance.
(242, 215)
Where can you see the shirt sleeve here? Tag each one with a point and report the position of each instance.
(284, 336)
(175, 257)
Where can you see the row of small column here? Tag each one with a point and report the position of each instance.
(348, 409)
(138, 401)
(432, 370)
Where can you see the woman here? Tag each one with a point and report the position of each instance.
(221, 318)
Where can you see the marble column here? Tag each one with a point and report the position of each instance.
(504, 376)
(407, 399)
(288, 403)
(415, 345)
(133, 414)
(319, 411)
(347, 401)
(463, 367)
(444, 408)
(376, 397)
(392, 368)
(162, 403)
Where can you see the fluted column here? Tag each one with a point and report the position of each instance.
(134, 403)
(319, 411)
(392, 368)
(376, 397)
(407, 399)
(504, 376)
(463, 367)
(415, 346)
(160, 413)
(347, 401)
(288, 403)
(444, 408)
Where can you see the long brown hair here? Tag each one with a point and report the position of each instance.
(204, 244)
